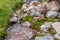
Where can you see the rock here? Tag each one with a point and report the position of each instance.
(54, 6)
(28, 1)
(57, 36)
(29, 9)
(35, 13)
(46, 26)
(44, 38)
(13, 19)
(19, 32)
(51, 14)
(25, 6)
(18, 11)
(24, 15)
(58, 16)
(26, 24)
(56, 26)
(34, 3)
(14, 15)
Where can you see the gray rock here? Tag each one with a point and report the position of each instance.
(19, 32)
(56, 26)
(15, 15)
(35, 13)
(44, 38)
(28, 1)
(51, 14)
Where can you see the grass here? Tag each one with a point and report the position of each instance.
(6, 9)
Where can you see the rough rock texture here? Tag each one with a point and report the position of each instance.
(44, 38)
(19, 33)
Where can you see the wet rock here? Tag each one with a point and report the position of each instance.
(26, 24)
(51, 14)
(54, 6)
(57, 36)
(19, 33)
(56, 26)
(44, 38)
(46, 26)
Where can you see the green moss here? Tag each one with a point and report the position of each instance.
(6, 9)
(40, 35)
(52, 31)
(50, 20)
(1, 38)
(36, 25)
(28, 18)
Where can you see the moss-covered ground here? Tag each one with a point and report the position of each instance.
(6, 9)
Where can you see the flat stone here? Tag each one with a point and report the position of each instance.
(51, 14)
(44, 38)
(19, 33)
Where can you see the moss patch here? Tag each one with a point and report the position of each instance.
(6, 9)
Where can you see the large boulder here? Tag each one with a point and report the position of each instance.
(19, 32)
(44, 38)
(51, 14)
(56, 26)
